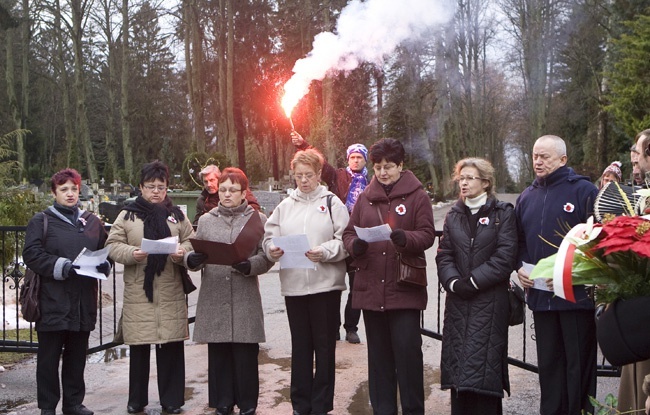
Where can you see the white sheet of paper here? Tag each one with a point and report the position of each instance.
(88, 260)
(374, 234)
(167, 245)
(294, 247)
(538, 283)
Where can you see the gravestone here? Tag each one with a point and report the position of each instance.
(268, 200)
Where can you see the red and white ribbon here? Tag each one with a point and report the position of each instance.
(562, 280)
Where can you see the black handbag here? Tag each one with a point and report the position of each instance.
(28, 297)
(517, 304)
(188, 285)
(411, 270)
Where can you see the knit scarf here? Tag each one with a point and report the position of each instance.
(359, 182)
(154, 216)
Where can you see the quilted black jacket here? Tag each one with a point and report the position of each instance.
(475, 331)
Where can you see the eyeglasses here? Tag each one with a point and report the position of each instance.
(386, 167)
(301, 177)
(467, 178)
(231, 190)
(153, 188)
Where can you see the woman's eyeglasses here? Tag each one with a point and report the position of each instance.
(231, 190)
(467, 178)
(386, 167)
(153, 188)
(307, 176)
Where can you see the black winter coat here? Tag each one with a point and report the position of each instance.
(69, 304)
(475, 331)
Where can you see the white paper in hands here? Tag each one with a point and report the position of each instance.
(294, 247)
(538, 283)
(167, 245)
(88, 260)
(374, 234)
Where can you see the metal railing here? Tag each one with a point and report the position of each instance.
(108, 312)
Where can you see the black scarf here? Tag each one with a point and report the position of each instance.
(154, 216)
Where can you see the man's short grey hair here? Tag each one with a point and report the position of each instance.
(209, 169)
(558, 143)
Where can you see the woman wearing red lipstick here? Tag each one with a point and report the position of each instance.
(476, 255)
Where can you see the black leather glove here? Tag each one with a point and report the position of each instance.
(359, 247)
(398, 236)
(465, 289)
(244, 267)
(104, 268)
(194, 259)
(69, 270)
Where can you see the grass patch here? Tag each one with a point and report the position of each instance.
(7, 358)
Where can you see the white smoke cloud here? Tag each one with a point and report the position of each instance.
(365, 32)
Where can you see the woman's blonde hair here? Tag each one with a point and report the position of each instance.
(310, 157)
(484, 167)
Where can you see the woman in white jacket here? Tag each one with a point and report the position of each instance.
(312, 296)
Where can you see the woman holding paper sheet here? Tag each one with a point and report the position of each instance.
(229, 315)
(391, 310)
(312, 295)
(154, 310)
(68, 301)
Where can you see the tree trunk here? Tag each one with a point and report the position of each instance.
(194, 70)
(231, 149)
(124, 107)
(83, 130)
(72, 153)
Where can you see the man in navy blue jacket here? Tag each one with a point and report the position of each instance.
(565, 332)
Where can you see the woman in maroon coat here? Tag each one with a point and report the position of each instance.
(391, 310)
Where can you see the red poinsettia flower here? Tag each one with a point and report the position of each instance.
(625, 233)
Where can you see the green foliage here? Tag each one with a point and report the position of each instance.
(195, 162)
(8, 166)
(630, 79)
(17, 206)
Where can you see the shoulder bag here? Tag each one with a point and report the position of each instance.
(28, 298)
(411, 270)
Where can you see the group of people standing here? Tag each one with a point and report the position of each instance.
(483, 241)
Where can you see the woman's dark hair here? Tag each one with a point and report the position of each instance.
(389, 149)
(154, 170)
(63, 176)
(235, 175)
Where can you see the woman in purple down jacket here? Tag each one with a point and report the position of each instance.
(476, 256)
(391, 311)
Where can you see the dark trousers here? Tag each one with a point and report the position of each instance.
(314, 323)
(395, 358)
(566, 355)
(471, 403)
(51, 345)
(351, 315)
(233, 377)
(170, 367)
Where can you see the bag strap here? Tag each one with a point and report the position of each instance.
(381, 218)
(329, 206)
(44, 228)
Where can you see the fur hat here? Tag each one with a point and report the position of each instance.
(357, 148)
(615, 169)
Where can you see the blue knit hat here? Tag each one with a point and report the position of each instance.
(357, 148)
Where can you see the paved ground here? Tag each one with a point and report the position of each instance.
(107, 372)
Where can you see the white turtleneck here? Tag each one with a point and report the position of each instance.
(474, 204)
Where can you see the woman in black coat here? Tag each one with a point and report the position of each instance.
(476, 256)
(67, 301)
